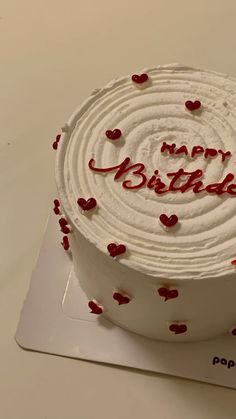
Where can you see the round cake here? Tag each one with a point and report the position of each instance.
(147, 201)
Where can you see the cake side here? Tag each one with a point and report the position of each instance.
(197, 310)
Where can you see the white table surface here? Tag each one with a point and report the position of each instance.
(52, 54)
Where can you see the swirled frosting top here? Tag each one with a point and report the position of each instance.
(204, 243)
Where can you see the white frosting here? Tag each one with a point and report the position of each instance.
(204, 244)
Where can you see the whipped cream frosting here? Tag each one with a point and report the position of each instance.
(205, 242)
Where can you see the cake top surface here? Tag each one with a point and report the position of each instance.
(176, 127)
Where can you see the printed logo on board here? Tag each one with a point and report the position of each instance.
(229, 363)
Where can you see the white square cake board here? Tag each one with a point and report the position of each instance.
(55, 319)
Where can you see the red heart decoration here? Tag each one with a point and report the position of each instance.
(55, 145)
(116, 249)
(63, 222)
(178, 328)
(65, 229)
(139, 78)
(65, 243)
(193, 106)
(88, 204)
(168, 221)
(64, 226)
(233, 331)
(233, 262)
(95, 308)
(113, 135)
(167, 293)
(121, 298)
(56, 203)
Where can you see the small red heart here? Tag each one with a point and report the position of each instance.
(168, 221)
(88, 204)
(113, 135)
(65, 229)
(95, 308)
(64, 226)
(65, 243)
(121, 298)
(233, 262)
(56, 203)
(167, 293)
(56, 210)
(233, 331)
(116, 249)
(139, 78)
(178, 328)
(63, 222)
(56, 141)
(193, 106)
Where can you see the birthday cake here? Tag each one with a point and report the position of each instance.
(146, 180)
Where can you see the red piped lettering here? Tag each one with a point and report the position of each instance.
(231, 189)
(224, 154)
(152, 181)
(191, 177)
(182, 150)
(123, 168)
(210, 152)
(218, 188)
(196, 150)
(181, 180)
(168, 147)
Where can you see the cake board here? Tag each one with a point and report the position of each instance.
(55, 319)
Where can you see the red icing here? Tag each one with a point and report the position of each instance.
(123, 168)
(56, 203)
(88, 204)
(182, 149)
(168, 221)
(191, 181)
(116, 249)
(153, 180)
(64, 226)
(121, 298)
(63, 222)
(233, 262)
(139, 78)
(65, 243)
(168, 147)
(113, 135)
(95, 308)
(55, 143)
(65, 229)
(56, 210)
(167, 293)
(224, 154)
(193, 106)
(196, 151)
(178, 328)
(210, 152)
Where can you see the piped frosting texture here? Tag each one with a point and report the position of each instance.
(204, 243)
